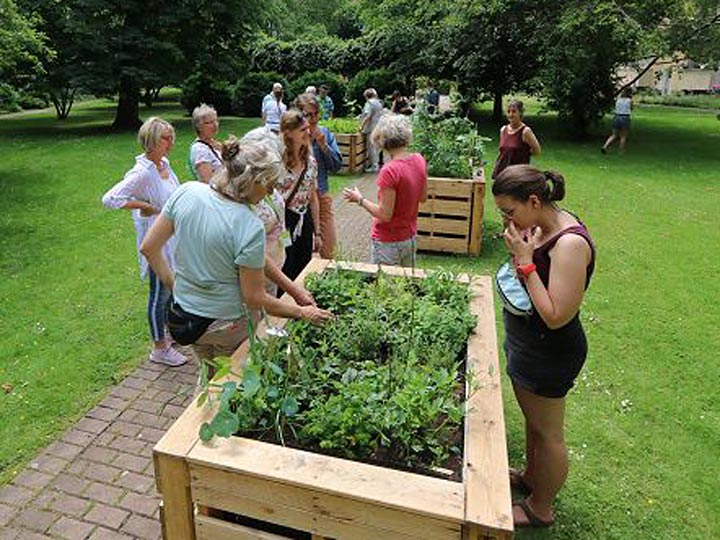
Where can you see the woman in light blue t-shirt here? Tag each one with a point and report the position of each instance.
(621, 121)
(220, 253)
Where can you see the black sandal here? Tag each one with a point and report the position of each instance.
(534, 521)
(518, 483)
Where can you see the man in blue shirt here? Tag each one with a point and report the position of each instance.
(329, 160)
(327, 107)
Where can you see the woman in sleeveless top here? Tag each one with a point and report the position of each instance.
(517, 140)
(555, 258)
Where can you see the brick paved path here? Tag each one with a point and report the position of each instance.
(96, 482)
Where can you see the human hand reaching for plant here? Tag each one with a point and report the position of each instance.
(315, 315)
(521, 243)
(303, 297)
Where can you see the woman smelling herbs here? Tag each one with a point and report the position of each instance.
(555, 258)
(144, 190)
(220, 252)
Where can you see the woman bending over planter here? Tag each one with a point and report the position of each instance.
(517, 140)
(555, 258)
(144, 190)
(299, 187)
(402, 186)
(220, 252)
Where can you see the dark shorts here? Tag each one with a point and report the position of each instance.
(621, 121)
(542, 361)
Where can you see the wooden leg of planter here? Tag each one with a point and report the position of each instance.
(478, 202)
(173, 480)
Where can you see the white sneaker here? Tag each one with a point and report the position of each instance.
(168, 356)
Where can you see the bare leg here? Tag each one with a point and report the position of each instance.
(623, 138)
(610, 140)
(545, 418)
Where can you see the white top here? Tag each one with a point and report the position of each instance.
(623, 105)
(202, 153)
(273, 111)
(144, 183)
(215, 237)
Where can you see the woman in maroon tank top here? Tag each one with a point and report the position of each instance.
(517, 140)
(555, 258)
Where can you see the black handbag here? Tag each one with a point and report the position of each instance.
(185, 328)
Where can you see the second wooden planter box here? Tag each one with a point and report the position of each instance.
(451, 218)
(282, 493)
(352, 148)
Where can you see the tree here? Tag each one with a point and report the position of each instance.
(22, 48)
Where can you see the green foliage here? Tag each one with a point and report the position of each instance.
(381, 382)
(335, 82)
(451, 146)
(383, 80)
(342, 125)
(710, 101)
(201, 88)
(250, 90)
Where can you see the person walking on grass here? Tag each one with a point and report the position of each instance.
(144, 191)
(329, 160)
(621, 121)
(517, 140)
(402, 186)
(205, 150)
(554, 257)
(220, 252)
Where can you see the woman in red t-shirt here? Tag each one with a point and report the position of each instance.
(402, 186)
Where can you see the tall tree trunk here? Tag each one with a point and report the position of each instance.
(497, 107)
(127, 115)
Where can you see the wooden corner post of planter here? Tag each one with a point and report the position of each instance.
(246, 489)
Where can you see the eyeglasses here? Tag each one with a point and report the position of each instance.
(306, 114)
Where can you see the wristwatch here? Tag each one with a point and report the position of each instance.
(525, 269)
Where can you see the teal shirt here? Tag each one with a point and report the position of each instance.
(215, 237)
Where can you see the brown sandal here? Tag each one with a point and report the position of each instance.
(534, 520)
(518, 483)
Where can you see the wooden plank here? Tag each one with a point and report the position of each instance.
(446, 226)
(310, 509)
(429, 496)
(216, 529)
(445, 188)
(487, 489)
(438, 243)
(448, 208)
(177, 514)
(476, 217)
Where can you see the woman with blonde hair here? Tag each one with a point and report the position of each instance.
(144, 190)
(299, 188)
(220, 252)
(205, 159)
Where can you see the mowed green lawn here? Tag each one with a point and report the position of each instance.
(643, 421)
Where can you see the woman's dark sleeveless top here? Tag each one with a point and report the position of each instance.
(513, 150)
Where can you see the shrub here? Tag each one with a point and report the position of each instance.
(384, 81)
(8, 98)
(250, 90)
(202, 88)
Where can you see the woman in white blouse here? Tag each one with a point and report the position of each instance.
(144, 190)
(205, 151)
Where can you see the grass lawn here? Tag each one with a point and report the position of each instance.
(643, 421)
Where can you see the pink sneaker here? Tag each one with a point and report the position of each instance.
(168, 356)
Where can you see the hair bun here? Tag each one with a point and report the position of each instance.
(556, 189)
(230, 149)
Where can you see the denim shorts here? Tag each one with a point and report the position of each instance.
(394, 253)
(621, 121)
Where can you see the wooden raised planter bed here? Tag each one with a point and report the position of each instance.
(352, 148)
(451, 218)
(321, 497)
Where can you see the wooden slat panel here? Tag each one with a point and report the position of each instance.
(448, 208)
(445, 188)
(487, 489)
(449, 226)
(438, 243)
(208, 528)
(311, 509)
(476, 218)
(176, 514)
(429, 496)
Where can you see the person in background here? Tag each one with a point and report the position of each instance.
(621, 121)
(273, 108)
(144, 190)
(329, 160)
(327, 107)
(220, 252)
(372, 111)
(311, 90)
(205, 157)
(554, 257)
(400, 104)
(402, 186)
(299, 188)
(432, 99)
(517, 140)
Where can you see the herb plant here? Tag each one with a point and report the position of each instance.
(383, 382)
(341, 125)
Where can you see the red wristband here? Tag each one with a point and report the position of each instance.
(525, 269)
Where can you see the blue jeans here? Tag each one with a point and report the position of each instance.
(158, 299)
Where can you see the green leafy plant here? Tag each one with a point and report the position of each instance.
(451, 146)
(383, 382)
(342, 125)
